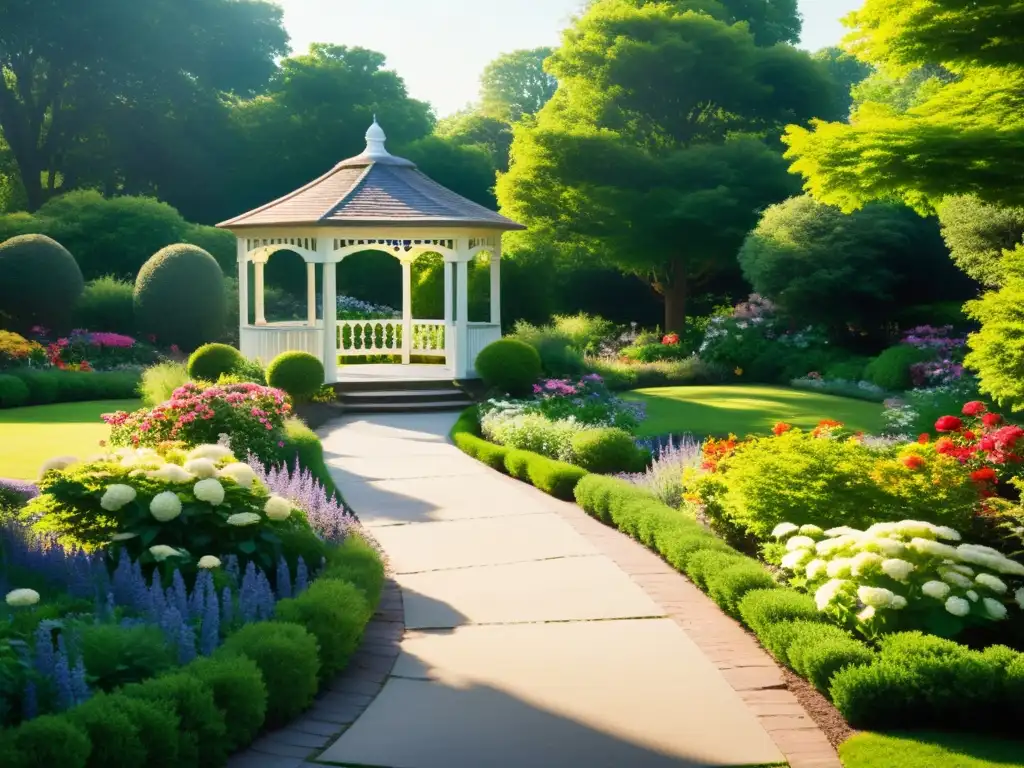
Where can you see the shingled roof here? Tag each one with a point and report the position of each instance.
(374, 187)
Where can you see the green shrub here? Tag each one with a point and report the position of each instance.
(817, 651)
(51, 740)
(114, 737)
(652, 353)
(335, 613)
(509, 365)
(116, 655)
(40, 282)
(54, 386)
(702, 564)
(995, 351)
(157, 725)
(849, 369)
(179, 297)
(763, 608)
(201, 739)
(517, 464)
(211, 361)
(299, 374)
(358, 563)
(917, 683)
(465, 435)
(559, 356)
(607, 449)
(776, 638)
(288, 657)
(239, 693)
(302, 444)
(891, 369)
(248, 369)
(728, 586)
(13, 391)
(159, 382)
(107, 304)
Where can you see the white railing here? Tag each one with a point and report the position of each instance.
(428, 337)
(265, 342)
(359, 338)
(478, 336)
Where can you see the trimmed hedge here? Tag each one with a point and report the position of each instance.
(13, 391)
(55, 386)
(556, 478)
(300, 374)
(606, 450)
(509, 365)
(40, 283)
(301, 442)
(211, 361)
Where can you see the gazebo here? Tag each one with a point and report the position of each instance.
(373, 201)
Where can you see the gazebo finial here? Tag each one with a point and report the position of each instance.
(375, 138)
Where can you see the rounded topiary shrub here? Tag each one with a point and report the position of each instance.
(300, 374)
(211, 361)
(40, 282)
(509, 365)
(114, 737)
(180, 297)
(891, 369)
(51, 740)
(238, 691)
(606, 450)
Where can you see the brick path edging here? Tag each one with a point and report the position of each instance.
(338, 703)
(752, 673)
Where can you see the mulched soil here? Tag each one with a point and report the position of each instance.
(820, 709)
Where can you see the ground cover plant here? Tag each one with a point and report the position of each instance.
(29, 436)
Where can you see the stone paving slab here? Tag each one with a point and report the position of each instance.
(488, 541)
(604, 693)
(439, 464)
(566, 589)
(426, 499)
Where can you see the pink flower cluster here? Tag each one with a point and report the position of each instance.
(932, 337)
(555, 388)
(101, 339)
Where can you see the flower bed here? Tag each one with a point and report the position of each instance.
(165, 605)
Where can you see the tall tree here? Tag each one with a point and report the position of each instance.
(847, 73)
(516, 84)
(963, 136)
(67, 66)
(979, 235)
(471, 127)
(661, 176)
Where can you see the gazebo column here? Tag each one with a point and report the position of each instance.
(449, 328)
(461, 318)
(330, 353)
(406, 311)
(496, 289)
(243, 285)
(310, 293)
(258, 290)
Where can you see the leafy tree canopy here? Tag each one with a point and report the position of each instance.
(847, 73)
(472, 128)
(961, 135)
(839, 270)
(978, 234)
(516, 84)
(661, 176)
(465, 169)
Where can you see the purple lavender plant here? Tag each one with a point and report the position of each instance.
(664, 478)
(14, 493)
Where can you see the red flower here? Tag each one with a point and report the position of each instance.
(924, 438)
(948, 424)
(670, 338)
(991, 419)
(913, 461)
(781, 427)
(968, 435)
(829, 423)
(973, 408)
(984, 475)
(944, 445)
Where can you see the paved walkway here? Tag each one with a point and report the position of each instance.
(527, 643)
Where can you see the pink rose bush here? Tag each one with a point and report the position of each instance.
(251, 415)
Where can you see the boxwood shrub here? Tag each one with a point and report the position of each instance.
(607, 449)
(50, 740)
(509, 365)
(157, 725)
(238, 691)
(115, 739)
(728, 586)
(211, 361)
(762, 608)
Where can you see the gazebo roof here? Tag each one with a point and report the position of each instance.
(372, 188)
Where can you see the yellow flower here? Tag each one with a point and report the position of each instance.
(738, 371)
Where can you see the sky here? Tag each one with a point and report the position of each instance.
(440, 47)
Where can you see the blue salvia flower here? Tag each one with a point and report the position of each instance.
(301, 576)
(197, 600)
(62, 682)
(122, 586)
(266, 600)
(109, 610)
(30, 701)
(157, 599)
(248, 604)
(227, 613)
(186, 643)
(170, 624)
(178, 594)
(284, 580)
(79, 687)
(210, 637)
(141, 599)
(231, 567)
(44, 649)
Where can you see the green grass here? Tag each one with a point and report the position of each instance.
(30, 436)
(743, 410)
(930, 750)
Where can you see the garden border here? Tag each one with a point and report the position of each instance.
(341, 701)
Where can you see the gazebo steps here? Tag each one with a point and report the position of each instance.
(405, 407)
(394, 396)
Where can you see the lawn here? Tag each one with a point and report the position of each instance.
(742, 410)
(928, 750)
(30, 436)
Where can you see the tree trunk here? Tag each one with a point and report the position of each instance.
(675, 292)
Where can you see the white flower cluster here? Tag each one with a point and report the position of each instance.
(20, 598)
(891, 564)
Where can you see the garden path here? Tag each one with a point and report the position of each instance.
(525, 644)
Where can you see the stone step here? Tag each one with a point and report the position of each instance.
(405, 406)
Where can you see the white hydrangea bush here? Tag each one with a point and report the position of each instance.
(900, 576)
(181, 506)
